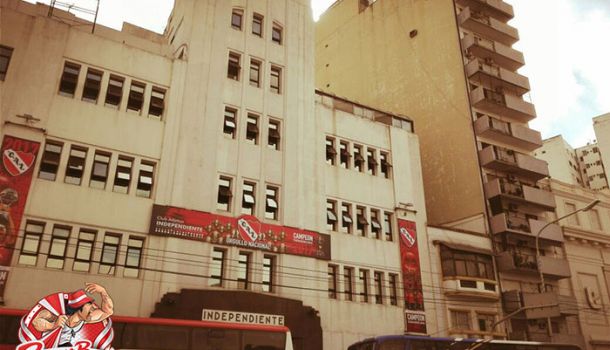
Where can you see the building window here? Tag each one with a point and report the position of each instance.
(364, 285)
(114, 92)
(50, 161)
(76, 165)
(84, 250)
(276, 77)
(122, 176)
(268, 272)
(257, 25)
(331, 152)
(378, 280)
(371, 161)
(361, 222)
(346, 218)
(358, 158)
(460, 320)
(386, 166)
(255, 73)
(271, 203)
(145, 179)
(99, 172)
(573, 219)
(217, 268)
(331, 215)
(486, 322)
(133, 258)
(5, 58)
(69, 78)
(136, 96)
(233, 70)
(276, 34)
(236, 19)
(243, 270)
(274, 138)
(157, 102)
(595, 222)
(248, 200)
(230, 122)
(375, 223)
(344, 154)
(252, 129)
(110, 251)
(348, 283)
(456, 263)
(393, 283)
(387, 226)
(57, 247)
(332, 281)
(223, 202)
(31, 243)
(93, 82)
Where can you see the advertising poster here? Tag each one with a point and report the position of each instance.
(411, 277)
(18, 159)
(244, 231)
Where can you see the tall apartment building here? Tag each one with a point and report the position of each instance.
(199, 169)
(449, 65)
(563, 162)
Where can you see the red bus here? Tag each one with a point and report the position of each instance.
(171, 334)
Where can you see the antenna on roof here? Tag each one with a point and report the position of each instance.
(95, 18)
(51, 7)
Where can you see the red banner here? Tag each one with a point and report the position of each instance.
(244, 231)
(411, 277)
(18, 159)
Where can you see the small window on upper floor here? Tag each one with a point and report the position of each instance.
(157, 102)
(145, 179)
(255, 73)
(99, 172)
(276, 80)
(274, 138)
(257, 24)
(136, 96)
(76, 165)
(50, 161)
(5, 58)
(233, 67)
(122, 176)
(384, 159)
(93, 83)
(331, 152)
(225, 194)
(230, 122)
(272, 202)
(252, 129)
(248, 201)
(344, 154)
(276, 34)
(114, 92)
(371, 161)
(236, 19)
(69, 78)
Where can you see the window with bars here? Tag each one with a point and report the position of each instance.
(332, 281)
(252, 129)
(348, 283)
(133, 258)
(84, 250)
(346, 218)
(69, 79)
(243, 270)
(157, 102)
(57, 247)
(331, 215)
(268, 273)
(99, 171)
(135, 101)
(217, 268)
(393, 284)
(460, 320)
(255, 73)
(122, 175)
(234, 66)
(257, 24)
(31, 243)
(248, 201)
(110, 252)
(274, 138)
(364, 285)
(225, 193)
(5, 58)
(114, 92)
(378, 281)
(93, 82)
(49, 163)
(272, 203)
(145, 179)
(76, 165)
(229, 125)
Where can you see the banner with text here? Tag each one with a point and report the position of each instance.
(415, 318)
(244, 231)
(18, 159)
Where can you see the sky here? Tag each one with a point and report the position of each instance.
(565, 44)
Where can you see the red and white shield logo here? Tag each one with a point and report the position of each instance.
(408, 237)
(16, 162)
(247, 232)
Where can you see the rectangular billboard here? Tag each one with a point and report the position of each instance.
(415, 318)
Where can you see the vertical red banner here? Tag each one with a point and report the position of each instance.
(18, 159)
(415, 317)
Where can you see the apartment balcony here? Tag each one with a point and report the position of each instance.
(484, 49)
(505, 223)
(479, 71)
(522, 263)
(503, 159)
(514, 300)
(495, 8)
(487, 26)
(506, 105)
(520, 192)
(509, 133)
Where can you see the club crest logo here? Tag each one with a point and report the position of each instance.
(17, 162)
(408, 237)
(246, 231)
